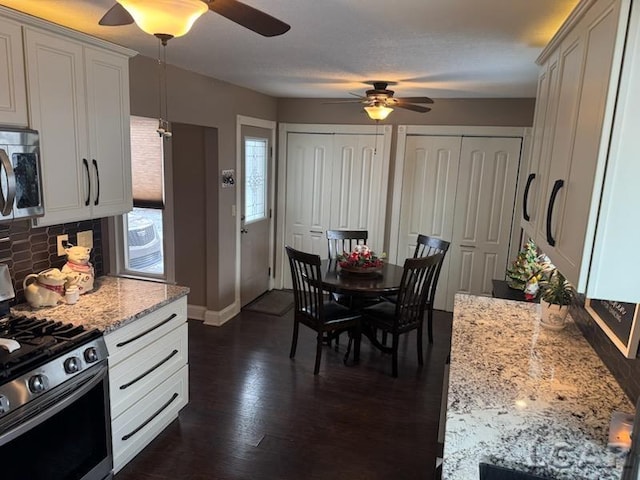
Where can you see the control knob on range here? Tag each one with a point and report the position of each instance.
(72, 365)
(4, 404)
(91, 355)
(38, 383)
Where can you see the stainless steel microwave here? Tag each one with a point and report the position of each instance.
(20, 175)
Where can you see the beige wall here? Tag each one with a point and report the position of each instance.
(503, 112)
(202, 207)
(199, 100)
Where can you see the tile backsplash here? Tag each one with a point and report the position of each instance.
(625, 370)
(26, 249)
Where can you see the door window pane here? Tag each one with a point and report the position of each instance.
(255, 179)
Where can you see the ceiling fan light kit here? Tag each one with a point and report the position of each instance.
(172, 18)
(378, 112)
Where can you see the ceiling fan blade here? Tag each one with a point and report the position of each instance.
(344, 101)
(415, 99)
(249, 17)
(116, 16)
(415, 108)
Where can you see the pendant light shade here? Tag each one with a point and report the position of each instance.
(173, 18)
(378, 112)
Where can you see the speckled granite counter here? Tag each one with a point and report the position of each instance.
(526, 398)
(114, 302)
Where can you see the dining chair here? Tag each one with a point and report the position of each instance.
(339, 241)
(407, 313)
(427, 246)
(327, 318)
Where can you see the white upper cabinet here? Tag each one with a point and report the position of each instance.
(573, 160)
(107, 77)
(13, 96)
(76, 95)
(79, 102)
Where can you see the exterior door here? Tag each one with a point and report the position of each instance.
(428, 197)
(483, 213)
(256, 213)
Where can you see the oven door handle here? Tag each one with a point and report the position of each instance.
(85, 385)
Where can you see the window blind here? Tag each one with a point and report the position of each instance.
(147, 163)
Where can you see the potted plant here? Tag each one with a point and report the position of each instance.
(557, 295)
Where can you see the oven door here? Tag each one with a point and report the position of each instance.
(64, 434)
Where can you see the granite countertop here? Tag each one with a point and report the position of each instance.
(527, 398)
(112, 303)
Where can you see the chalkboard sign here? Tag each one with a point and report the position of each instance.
(619, 321)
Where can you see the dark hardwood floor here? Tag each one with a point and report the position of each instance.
(255, 414)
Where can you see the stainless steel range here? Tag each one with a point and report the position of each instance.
(54, 398)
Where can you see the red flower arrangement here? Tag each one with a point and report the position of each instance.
(361, 258)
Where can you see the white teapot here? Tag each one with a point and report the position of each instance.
(44, 289)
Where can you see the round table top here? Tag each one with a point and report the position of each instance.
(334, 279)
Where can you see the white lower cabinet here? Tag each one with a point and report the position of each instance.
(148, 378)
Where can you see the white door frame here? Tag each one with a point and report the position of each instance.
(283, 131)
(241, 121)
(465, 131)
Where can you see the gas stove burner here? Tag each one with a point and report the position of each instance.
(40, 340)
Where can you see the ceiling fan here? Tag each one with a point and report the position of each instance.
(177, 16)
(379, 101)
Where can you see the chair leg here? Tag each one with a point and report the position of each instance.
(430, 322)
(356, 347)
(294, 340)
(394, 355)
(318, 354)
(419, 343)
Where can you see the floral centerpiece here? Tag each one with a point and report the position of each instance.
(361, 259)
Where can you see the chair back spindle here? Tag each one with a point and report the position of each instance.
(340, 241)
(418, 275)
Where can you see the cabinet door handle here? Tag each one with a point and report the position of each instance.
(525, 214)
(467, 246)
(319, 232)
(86, 168)
(148, 420)
(95, 166)
(155, 367)
(140, 335)
(552, 200)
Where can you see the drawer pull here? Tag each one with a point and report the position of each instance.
(133, 339)
(148, 420)
(156, 366)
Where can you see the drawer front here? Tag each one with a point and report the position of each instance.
(132, 379)
(140, 424)
(127, 340)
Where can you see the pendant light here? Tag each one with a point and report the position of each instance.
(163, 113)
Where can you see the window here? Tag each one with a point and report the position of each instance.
(142, 231)
(255, 188)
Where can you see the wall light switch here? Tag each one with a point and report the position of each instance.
(62, 240)
(85, 239)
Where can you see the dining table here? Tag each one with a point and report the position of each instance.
(363, 288)
(361, 285)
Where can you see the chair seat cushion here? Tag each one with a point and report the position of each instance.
(334, 312)
(382, 313)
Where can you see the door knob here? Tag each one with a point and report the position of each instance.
(244, 230)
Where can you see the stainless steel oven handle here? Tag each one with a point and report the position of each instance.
(7, 205)
(61, 404)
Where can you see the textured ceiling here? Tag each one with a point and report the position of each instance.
(438, 48)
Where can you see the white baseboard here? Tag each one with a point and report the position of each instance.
(211, 317)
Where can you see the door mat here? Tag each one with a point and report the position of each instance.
(274, 302)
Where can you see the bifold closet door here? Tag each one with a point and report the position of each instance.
(428, 197)
(483, 212)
